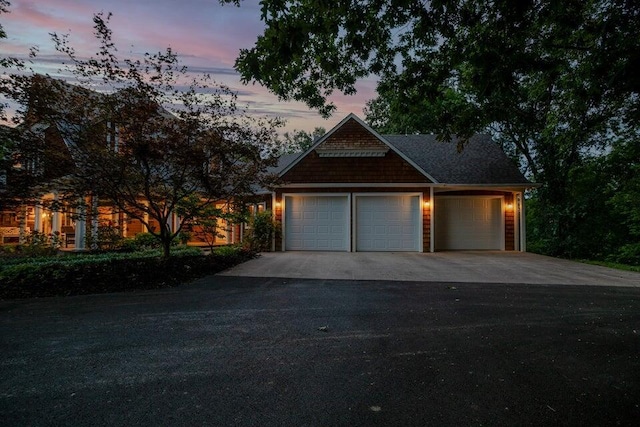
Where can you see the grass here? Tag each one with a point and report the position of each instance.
(615, 265)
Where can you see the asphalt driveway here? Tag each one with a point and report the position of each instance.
(473, 338)
(468, 267)
(276, 352)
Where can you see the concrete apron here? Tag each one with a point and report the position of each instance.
(472, 267)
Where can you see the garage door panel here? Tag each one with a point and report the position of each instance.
(338, 216)
(387, 223)
(316, 223)
(468, 223)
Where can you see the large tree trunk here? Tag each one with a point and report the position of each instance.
(166, 238)
(166, 247)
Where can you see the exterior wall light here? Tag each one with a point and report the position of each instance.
(427, 204)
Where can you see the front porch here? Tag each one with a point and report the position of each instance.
(88, 222)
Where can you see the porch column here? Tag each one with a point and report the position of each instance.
(37, 218)
(124, 227)
(81, 228)
(56, 218)
(22, 224)
(94, 222)
(145, 217)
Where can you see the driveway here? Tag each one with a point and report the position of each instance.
(246, 351)
(467, 267)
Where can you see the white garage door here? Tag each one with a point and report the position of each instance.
(316, 223)
(468, 223)
(387, 223)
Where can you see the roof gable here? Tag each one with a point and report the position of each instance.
(351, 138)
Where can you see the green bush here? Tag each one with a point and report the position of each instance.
(141, 242)
(627, 254)
(36, 244)
(109, 272)
(231, 250)
(262, 232)
(109, 238)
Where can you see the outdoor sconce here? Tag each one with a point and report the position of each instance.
(278, 204)
(427, 204)
(509, 206)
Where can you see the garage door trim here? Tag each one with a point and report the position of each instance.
(354, 214)
(348, 210)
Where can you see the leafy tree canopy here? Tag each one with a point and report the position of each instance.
(158, 141)
(298, 141)
(425, 49)
(554, 82)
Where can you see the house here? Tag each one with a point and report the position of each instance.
(357, 190)
(352, 190)
(89, 156)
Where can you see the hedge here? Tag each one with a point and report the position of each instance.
(65, 276)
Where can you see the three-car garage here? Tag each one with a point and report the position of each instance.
(391, 222)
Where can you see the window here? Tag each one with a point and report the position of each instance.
(254, 209)
(113, 137)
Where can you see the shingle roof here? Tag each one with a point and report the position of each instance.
(284, 161)
(480, 162)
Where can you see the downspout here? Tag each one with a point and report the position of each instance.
(523, 225)
(431, 221)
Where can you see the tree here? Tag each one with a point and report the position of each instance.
(554, 82)
(299, 141)
(157, 142)
(310, 48)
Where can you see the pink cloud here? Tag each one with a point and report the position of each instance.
(206, 35)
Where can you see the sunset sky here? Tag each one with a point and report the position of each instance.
(206, 35)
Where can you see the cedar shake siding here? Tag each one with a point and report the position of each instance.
(388, 169)
(351, 137)
(509, 223)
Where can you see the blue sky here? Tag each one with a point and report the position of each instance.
(206, 35)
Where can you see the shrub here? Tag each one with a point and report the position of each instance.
(109, 238)
(141, 242)
(229, 250)
(109, 272)
(628, 254)
(262, 231)
(36, 244)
